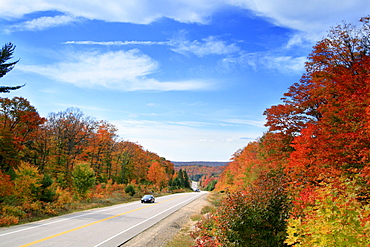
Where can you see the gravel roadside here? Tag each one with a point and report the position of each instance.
(164, 231)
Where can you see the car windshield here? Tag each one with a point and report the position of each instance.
(147, 196)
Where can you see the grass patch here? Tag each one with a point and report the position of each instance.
(208, 209)
(215, 198)
(196, 217)
(182, 239)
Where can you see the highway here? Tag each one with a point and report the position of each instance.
(109, 226)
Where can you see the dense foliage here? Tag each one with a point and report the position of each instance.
(48, 163)
(180, 181)
(306, 182)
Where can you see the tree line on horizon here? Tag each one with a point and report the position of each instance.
(306, 181)
(205, 175)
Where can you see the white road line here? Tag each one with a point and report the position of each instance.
(144, 221)
(69, 218)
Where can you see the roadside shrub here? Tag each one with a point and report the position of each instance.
(6, 185)
(8, 220)
(130, 189)
(16, 211)
(335, 218)
(64, 198)
(49, 209)
(204, 232)
(255, 216)
(32, 207)
(98, 192)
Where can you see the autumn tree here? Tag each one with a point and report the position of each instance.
(70, 130)
(40, 153)
(122, 158)
(157, 175)
(99, 149)
(244, 168)
(6, 54)
(326, 113)
(83, 177)
(19, 126)
(330, 215)
(6, 185)
(132, 160)
(27, 183)
(255, 216)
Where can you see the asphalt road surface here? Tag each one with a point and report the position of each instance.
(110, 226)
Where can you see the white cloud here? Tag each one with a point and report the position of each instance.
(178, 142)
(213, 46)
(207, 46)
(138, 11)
(42, 23)
(285, 64)
(257, 61)
(18, 8)
(302, 39)
(310, 16)
(116, 43)
(121, 70)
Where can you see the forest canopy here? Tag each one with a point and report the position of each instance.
(306, 181)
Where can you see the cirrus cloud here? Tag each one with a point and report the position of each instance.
(121, 70)
(42, 23)
(207, 46)
(310, 16)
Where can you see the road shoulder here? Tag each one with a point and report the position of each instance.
(161, 233)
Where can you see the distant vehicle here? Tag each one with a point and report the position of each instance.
(196, 190)
(148, 198)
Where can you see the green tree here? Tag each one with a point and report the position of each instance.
(211, 185)
(47, 191)
(6, 53)
(186, 182)
(130, 190)
(83, 177)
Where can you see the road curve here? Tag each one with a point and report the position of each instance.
(109, 226)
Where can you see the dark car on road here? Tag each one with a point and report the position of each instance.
(148, 198)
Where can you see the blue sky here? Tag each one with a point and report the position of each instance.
(188, 80)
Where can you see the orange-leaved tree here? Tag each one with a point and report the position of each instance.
(157, 175)
(326, 111)
(19, 126)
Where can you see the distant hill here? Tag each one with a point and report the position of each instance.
(199, 163)
(204, 173)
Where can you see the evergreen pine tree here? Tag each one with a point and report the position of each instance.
(6, 53)
(186, 180)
